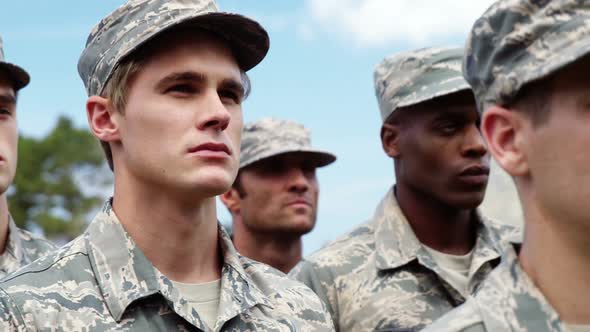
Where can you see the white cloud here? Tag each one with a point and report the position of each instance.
(381, 22)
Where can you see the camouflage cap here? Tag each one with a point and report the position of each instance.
(517, 42)
(18, 75)
(138, 21)
(270, 137)
(409, 78)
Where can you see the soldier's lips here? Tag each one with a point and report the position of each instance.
(210, 150)
(299, 203)
(476, 175)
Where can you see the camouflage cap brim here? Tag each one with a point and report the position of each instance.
(518, 42)
(18, 76)
(414, 77)
(249, 40)
(433, 91)
(128, 28)
(319, 158)
(269, 137)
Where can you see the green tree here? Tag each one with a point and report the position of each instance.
(59, 180)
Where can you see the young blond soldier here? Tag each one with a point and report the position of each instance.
(166, 80)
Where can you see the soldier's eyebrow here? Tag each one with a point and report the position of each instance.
(7, 99)
(453, 114)
(186, 76)
(199, 78)
(233, 85)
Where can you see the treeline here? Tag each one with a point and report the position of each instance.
(60, 179)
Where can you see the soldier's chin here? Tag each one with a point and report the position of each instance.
(468, 201)
(214, 189)
(218, 178)
(5, 180)
(210, 186)
(299, 228)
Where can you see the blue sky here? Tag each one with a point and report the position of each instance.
(318, 72)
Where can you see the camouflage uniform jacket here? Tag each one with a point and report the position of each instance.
(101, 281)
(379, 277)
(21, 248)
(507, 301)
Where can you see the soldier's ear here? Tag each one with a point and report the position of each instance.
(102, 119)
(506, 133)
(231, 199)
(390, 139)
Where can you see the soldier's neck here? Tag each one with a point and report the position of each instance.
(439, 226)
(179, 237)
(280, 252)
(556, 256)
(3, 222)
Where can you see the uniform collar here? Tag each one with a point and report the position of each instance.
(396, 243)
(514, 299)
(125, 275)
(241, 286)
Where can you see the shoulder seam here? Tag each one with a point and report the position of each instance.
(14, 276)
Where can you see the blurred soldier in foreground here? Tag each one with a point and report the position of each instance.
(427, 247)
(528, 63)
(17, 247)
(165, 79)
(274, 199)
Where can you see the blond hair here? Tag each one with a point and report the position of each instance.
(117, 91)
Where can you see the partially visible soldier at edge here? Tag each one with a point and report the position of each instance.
(427, 247)
(528, 63)
(274, 199)
(165, 80)
(18, 247)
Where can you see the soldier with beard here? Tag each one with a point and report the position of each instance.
(274, 199)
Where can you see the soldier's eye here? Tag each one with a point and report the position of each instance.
(448, 128)
(230, 95)
(181, 88)
(277, 168)
(5, 111)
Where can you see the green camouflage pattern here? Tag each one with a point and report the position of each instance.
(22, 247)
(101, 281)
(516, 42)
(507, 301)
(409, 78)
(137, 21)
(18, 75)
(269, 137)
(379, 277)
